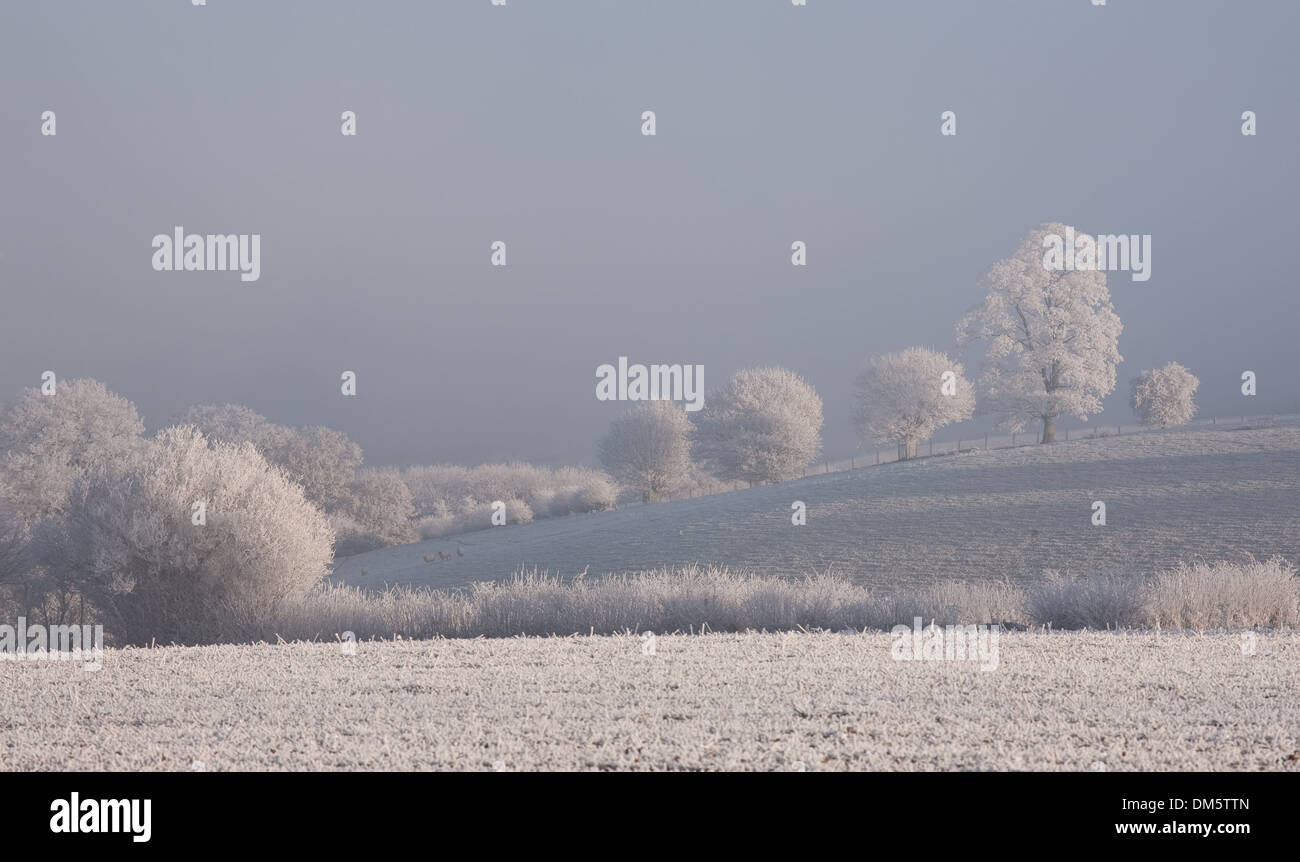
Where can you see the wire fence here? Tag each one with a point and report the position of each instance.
(1030, 438)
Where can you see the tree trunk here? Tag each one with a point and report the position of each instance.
(1049, 422)
(906, 449)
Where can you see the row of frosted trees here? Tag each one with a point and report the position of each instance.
(1051, 339)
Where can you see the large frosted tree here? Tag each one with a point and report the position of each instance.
(763, 426)
(648, 448)
(904, 397)
(1052, 336)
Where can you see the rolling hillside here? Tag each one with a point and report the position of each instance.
(1214, 494)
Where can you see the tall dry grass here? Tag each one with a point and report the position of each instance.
(696, 598)
(1203, 596)
(1193, 596)
(689, 599)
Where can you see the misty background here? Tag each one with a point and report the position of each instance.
(522, 123)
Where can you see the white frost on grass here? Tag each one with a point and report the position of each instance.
(727, 701)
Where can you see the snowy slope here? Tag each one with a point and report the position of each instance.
(1215, 494)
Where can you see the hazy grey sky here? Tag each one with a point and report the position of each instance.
(522, 123)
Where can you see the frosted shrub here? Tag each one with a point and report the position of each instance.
(1096, 602)
(447, 496)
(380, 504)
(1165, 397)
(49, 442)
(477, 517)
(130, 544)
(579, 489)
(699, 483)
(437, 489)
(351, 538)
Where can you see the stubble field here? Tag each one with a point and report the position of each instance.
(791, 701)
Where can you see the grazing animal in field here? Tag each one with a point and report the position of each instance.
(429, 558)
(460, 552)
(365, 572)
(443, 555)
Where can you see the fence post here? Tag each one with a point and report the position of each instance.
(1013, 438)
(1067, 433)
(931, 447)
(877, 457)
(986, 441)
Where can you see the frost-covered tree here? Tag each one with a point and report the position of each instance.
(235, 423)
(48, 442)
(1052, 334)
(26, 589)
(904, 397)
(322, 460)
(648, 448)
(380, 503)
(13, 544)
(130, 543)
(763, 426)
(1165, 397)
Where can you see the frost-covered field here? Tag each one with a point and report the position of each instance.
(1213, 494)
(737, 701)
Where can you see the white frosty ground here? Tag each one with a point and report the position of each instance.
(1213, 494)
(737, 701)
